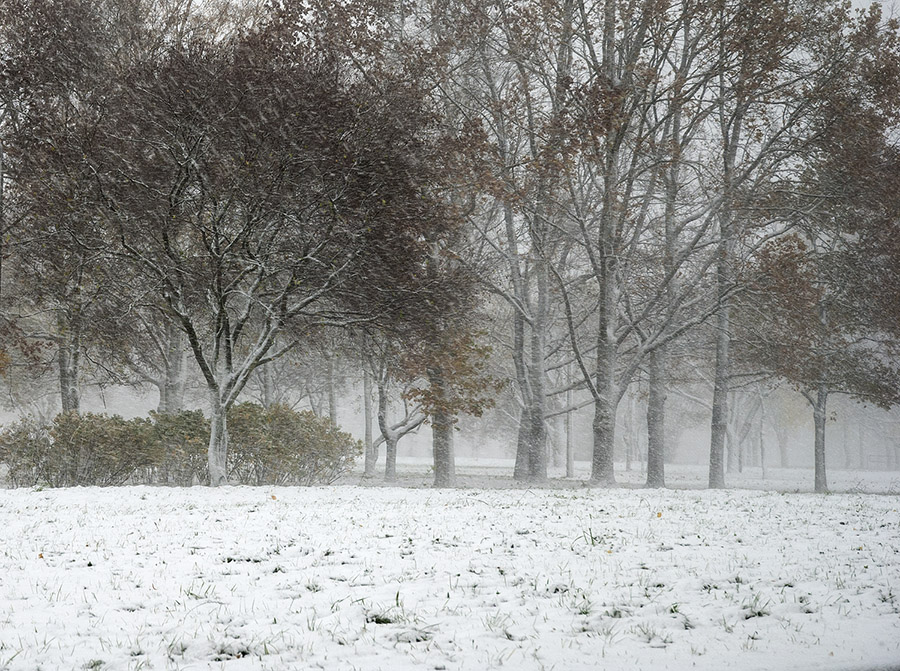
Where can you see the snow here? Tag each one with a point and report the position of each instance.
(350, 577)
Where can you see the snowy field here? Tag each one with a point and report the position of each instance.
(389, 578)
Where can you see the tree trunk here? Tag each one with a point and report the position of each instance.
(762, 443)
(390, 437)
(171, 391)
(731, 129)
(559, 441)
(607, 397)
(442, 434)
(531, 445)
(783, 453)
(332, 393)
(218, 444)
(537, 448)
(606, 402)
(821, 483)
(604, 433)
(68, 360)
(268, 385)
(848, 455)
(390, 459)
(444, 463)
(656, 420)
(2, 216)
(570, 444)
(371, 456)
(731, 436)
(719, 425)
(731, 448)
(523, 440)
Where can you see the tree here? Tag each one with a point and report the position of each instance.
(382, 363)
(816, 338)
(825, 325)
(243, 208)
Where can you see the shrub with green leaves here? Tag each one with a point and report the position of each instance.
(25, 449)
(184, 440)
(100, 449)
(278, 445)
(77, 450)
(274, 445)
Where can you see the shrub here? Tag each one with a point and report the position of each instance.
(25, 449)
(76, 450)
(268, 446)
(278, 445)
(100, 449)
(184, 440)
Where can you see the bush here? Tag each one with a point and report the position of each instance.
(100, 449)
(184, 441)
(267, 446)
(77, 450)
(281, 446)
(25, 448)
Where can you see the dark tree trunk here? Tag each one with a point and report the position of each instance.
(332, 393)
(570, 444)
(444, 463)
(819, 417)
(2, 216)
(442, 434)
(656, 420)
(523, 440)
(171, 388)
(719, 425)
(390, 459)
(268, 386)
(606, 402)
(604, 433)
(537, 446)
(218, 444)
(69, 356)
(371, 455)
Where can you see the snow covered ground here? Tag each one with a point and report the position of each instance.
(351, 577)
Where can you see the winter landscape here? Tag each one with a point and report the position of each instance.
(450, 334)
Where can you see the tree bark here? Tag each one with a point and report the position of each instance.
(523, 439)
(390, 459)
(763, 460)
(442, 435)
(68, 360)
(332, 393)
(371, 455)
(607, 396)
(2, 215)
(537, 446)
(570, 444)
(604, 424)
(171, 390)
(656, 420)
(218, 444)
(390, 437)
(819, 417)
(444, 462)
(268, 386)
(719, 424)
